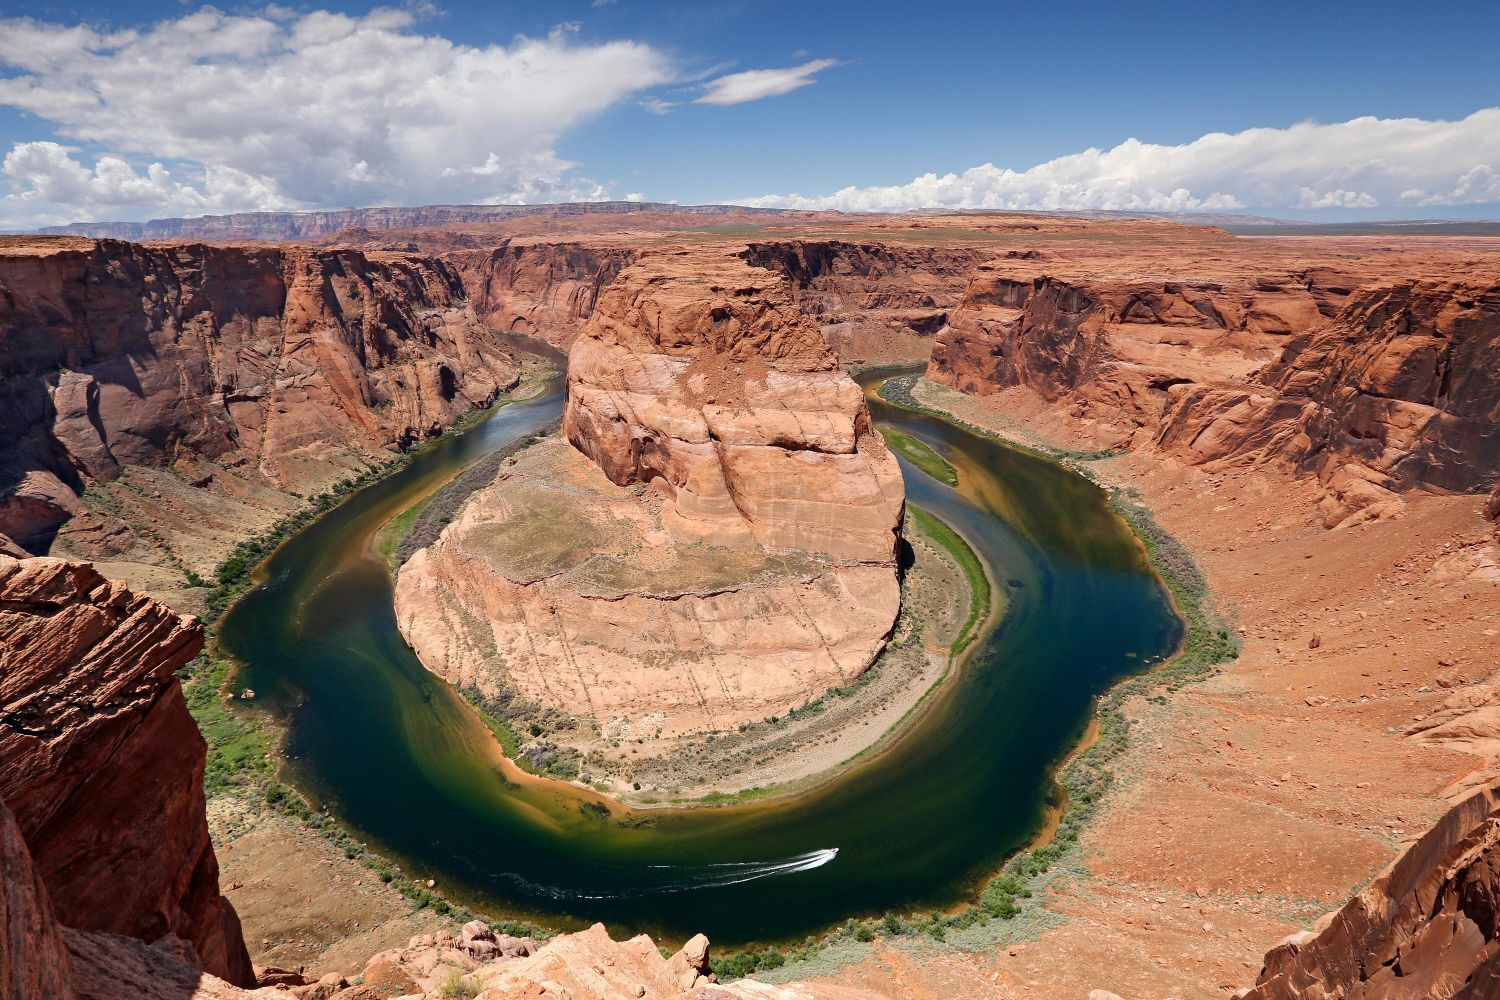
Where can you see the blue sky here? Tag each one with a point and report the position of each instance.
(297, 109)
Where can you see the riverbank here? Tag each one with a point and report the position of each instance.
(1243, 806)
(342, 542)
(327, 901)
(946, 597)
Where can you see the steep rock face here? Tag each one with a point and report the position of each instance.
(101, 763)
(718, 544)
(295, 364)
(1124, 342)
(1376, 389)
(1399, 391)
(873, 301)
(716, 388)
(545, 290)
(1429, 926)
(33, 955)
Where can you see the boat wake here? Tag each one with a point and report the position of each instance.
(658, 880)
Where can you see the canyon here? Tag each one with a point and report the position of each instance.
(718, 544)
(1317, 419)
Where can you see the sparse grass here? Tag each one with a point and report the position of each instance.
(239, 750)
(397, 528)
(920, 455)
(980, 595)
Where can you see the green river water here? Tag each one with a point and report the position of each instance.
(401, 760)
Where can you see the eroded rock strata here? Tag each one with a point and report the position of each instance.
(102, 765)
(1427, 927)
(284, 367)
(1375, 386)
(717, 544)
(873, 301)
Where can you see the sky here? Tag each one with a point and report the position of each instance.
(161, 108)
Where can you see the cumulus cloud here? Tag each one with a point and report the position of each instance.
(754, 84)
(1363, 163)
(221, 112)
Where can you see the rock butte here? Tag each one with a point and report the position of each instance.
(1262, 390)
(719, 548)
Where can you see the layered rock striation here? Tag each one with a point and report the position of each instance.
(101, 764)
(287, 365)
(873, 301)
(718, 543)
(543, 290)
(1429, 926)
(1375, 387)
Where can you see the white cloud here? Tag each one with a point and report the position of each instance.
(754, 84)
(219, 112)
(1363, 163)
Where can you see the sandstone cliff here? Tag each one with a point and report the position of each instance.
(545, 290)
(1428, 927)
(103, 766)
(1376, 387)
(288, 367)
(1399, 391)
(720, 546)
(873, 301)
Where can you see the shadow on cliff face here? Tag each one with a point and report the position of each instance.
(102, 768)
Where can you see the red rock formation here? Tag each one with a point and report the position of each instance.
(872, 300)
(34, 961)
(1375, 386)
(1399, 391)
(1428, 927)
(299, 364)
(102, 764)
(545, 290)
(715, 386)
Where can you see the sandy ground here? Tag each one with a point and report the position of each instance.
(1250, 804)
(301, 902)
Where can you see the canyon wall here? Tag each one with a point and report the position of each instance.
(717, 545)
(1429, 926)
(1375, 387)
(544, 290)
(873, 301)
(291, 367)
(1400, 391)
(102, 765)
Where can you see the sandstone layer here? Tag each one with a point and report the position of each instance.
(1371, 376)
(874, 302)
(103, 766)
(720, 546)
(1429, 926)
(241, 368)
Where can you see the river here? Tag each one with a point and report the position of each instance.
(403, 762)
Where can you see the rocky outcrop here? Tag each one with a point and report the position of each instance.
(1400, 391)
(718, 544)
(713, 387)
(1428, 927)
(294, 365)
(545, 290)
(101, 763)
(1376, 389)
(1126, 341)
(873, 301)
(33, 956)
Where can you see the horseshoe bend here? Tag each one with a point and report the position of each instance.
(1075, 580)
